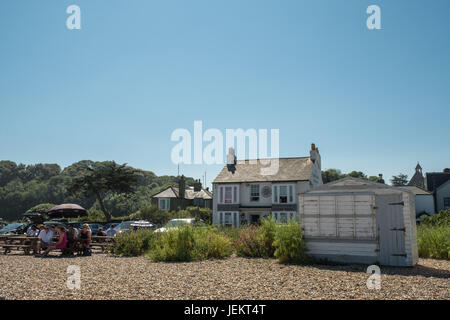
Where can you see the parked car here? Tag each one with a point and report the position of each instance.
(77, 225)
(124, 227)
(109, 224)
(13, 228)
(56, 223)
(94, 228)
(176, 223)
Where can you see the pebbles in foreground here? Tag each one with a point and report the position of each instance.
(106, 277)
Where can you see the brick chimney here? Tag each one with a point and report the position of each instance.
(181, 187)
(314, 155)
(197, 185)
(231, 160)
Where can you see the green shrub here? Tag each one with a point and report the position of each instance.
(134, 243)
(289, 244)
(269, 228)
(187, 244)
(433, 241)
(209, 244)
(174, 245)
(440, 219)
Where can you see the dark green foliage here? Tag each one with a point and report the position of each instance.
(99, 178)
(335, 174)
(440, 219)
(400, 180)
(41, 208)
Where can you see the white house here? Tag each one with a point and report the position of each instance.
(424, 200)
(242, 193)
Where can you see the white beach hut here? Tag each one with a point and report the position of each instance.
(358, 221)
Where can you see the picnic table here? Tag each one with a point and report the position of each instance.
(19, 242)
(28, 244)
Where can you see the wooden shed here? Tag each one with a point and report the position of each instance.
(358, 221)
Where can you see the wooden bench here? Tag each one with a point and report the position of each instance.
(18, 242)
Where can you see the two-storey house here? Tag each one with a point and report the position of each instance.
(243, 193)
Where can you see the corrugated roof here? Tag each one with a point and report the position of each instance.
(290, 169)
(350, 184)
(417, 191)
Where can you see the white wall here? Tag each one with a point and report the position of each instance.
(424, 203)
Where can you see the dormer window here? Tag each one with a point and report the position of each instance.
(254, 192)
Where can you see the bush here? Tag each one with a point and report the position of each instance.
(188, 244)
(289, 244)
(134, 243)
(433, 241)
(251, 243)
(440, 219)
(174, 245)
(209, 244)
(257, 242)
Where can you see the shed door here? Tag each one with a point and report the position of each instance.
(391, 229)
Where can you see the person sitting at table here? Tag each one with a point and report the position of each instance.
(32, 231)
(60, 243)
(101, 233)
(45, 237)
(85, 238)
(72, 238)
(111, 232)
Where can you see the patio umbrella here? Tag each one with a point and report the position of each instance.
(67, 210)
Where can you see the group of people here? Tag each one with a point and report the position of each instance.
(69, 241)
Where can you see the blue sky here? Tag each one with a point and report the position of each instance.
(375, 101)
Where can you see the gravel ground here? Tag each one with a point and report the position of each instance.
(105, 277)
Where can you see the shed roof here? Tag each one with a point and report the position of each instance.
(418, 191)
(350, 184)
(290, 169)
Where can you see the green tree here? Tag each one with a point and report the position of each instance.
(400, 180)
(331, 175)
(101, 178)
(41, 208)
(357, 174)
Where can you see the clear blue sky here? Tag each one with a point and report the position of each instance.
(375, 101)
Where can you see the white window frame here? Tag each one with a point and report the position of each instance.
(165, 200)
(258, 196)
(234, 194)
(233, 219)
(290, 188)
